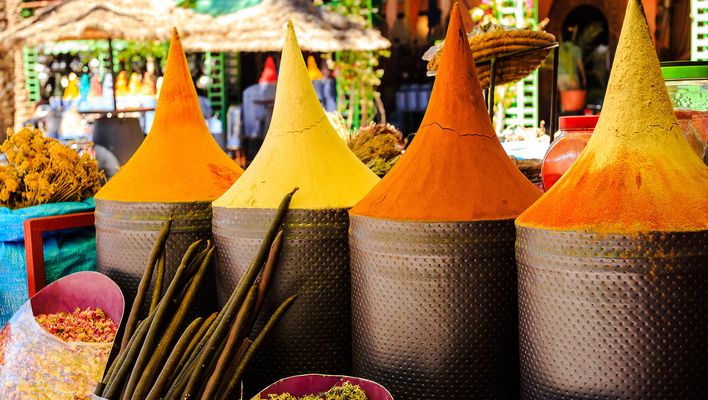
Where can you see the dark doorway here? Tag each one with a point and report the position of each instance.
(588, 28)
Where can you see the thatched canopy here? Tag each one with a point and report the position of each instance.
(137, 20)
(261, 28)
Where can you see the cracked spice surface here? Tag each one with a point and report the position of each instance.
(456, 168)
(638, 173)
(301, 150)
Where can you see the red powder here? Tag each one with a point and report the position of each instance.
(456, 168)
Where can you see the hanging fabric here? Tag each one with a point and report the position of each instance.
(391, 14)
(412, 8)
(445, 7)
(433, 14)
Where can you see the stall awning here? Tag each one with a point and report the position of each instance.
(260, 28)
(136, 20)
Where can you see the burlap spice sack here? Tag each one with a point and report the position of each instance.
(176, 173)
(434, 304)
(300, 150)
(613, 260)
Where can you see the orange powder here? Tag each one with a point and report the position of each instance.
(455, 169)
(179, 161)
(637, 173)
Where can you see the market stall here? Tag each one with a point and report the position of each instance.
(306, 277)
(101, 93)
(257, 27)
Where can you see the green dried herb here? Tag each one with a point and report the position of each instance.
(284, 396)
(345, 392)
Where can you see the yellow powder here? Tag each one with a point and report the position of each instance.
(313, 70)
(179, 161)
(301, 150)
(638, 172)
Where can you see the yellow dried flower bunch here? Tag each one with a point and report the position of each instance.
(42, 170)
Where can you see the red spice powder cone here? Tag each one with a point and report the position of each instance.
(179, 160)
(269, 74)
(456, 168)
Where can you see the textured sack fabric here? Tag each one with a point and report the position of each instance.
(65, 252)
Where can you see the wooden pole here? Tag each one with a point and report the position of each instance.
(110, 69)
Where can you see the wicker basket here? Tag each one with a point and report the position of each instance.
(489, 45)
(531, 168)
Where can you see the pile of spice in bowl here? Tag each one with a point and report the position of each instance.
(346, 391)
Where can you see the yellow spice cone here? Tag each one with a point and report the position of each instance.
(301, 150)
(122, 84)
(638, 172)
(313, 70)
(179, 161)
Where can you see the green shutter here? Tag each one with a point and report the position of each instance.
(524, 110)
(29, 62)
(216, 70)
(699, 30)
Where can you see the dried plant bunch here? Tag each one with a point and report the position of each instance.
(378, 146)
(42, 170)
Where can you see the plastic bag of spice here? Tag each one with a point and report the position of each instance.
(65, 357)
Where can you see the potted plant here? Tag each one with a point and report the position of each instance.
(572, 81)
(571, 75)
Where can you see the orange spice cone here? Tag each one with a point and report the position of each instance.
(456, 168)
(313, 70)
(175, 174)
(432, 248)
(613, 266)
(302, 150)
(179, 160)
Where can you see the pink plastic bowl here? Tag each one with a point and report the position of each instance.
(303, 385)
(82, 289)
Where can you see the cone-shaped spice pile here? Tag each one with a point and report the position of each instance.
(269, 74)
(433, 269)
(313, 69)
(456, 168)
(179, 160)
(636, 173)
(613, 260)
(300, 150)
(175, 174)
